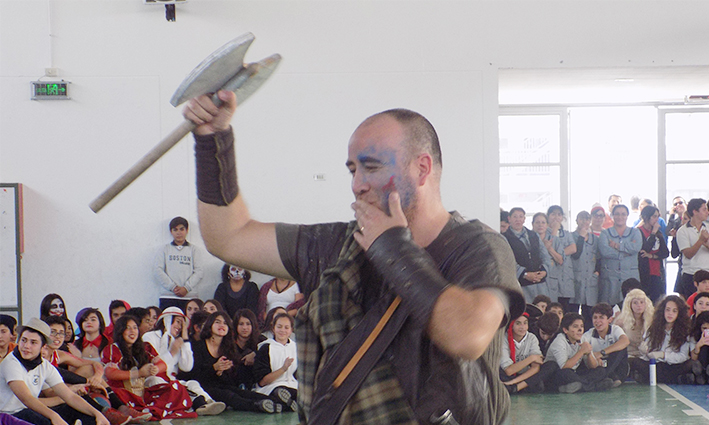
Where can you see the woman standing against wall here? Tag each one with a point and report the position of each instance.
(652, 254)
(619, 246)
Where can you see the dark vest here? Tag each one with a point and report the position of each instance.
(530, 259)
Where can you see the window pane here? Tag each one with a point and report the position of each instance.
(613, 151)
(529, 139)
(687, 135)
(684, 180)
(532, 188)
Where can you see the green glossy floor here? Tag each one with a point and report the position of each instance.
(629, 404)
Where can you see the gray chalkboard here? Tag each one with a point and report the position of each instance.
(10, 248)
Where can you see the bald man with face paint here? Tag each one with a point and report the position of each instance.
(455, 279)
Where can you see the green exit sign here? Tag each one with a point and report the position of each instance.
(50, 90)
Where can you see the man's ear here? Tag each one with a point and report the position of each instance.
(424, 167)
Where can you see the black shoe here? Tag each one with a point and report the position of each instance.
(697, 368)
(686, 379)
(512, 389)
(266, 406)
(604, 385)
(285, 397)
(637, 377)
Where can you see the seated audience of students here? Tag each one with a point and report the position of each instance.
(216, 361)
(23, 374)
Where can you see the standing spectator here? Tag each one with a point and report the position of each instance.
(236, 290)
(598, 217)
(613, 200)
(528, 251)
(560, 278)
(661, 221)
(585, 266)
(674, 221)
(692, 241)
(619, 247)
(676, 253)
(635, 209)
(178, 267)
(651, 257)
(504, 221)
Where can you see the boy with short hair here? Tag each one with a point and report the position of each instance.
(116, 309)
(7, 335)
(178, 267)
(556, 308)
(546, 327)
(609, 343)
(22, 376)
(542, 302)
(701, 282)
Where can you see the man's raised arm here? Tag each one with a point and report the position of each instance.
(226, 226)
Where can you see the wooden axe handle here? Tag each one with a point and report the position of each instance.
(139, 168)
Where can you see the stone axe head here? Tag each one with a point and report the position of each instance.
(222, 70)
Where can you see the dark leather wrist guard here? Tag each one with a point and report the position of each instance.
(409, 271)
(216, 168)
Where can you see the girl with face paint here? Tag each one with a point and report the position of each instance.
(52, 305)
(236, 290)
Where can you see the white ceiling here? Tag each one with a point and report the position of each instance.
(601, 85)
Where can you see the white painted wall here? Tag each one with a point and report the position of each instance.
(343, 60)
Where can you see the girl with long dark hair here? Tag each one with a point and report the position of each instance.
(216, 363)
(666, 341)
(137, 375)
(91, 340)
(247, 340)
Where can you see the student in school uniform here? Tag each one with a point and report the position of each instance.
(578, 368)
(521, 361)
(609, 344)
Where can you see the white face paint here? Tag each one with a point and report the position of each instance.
(236, 273)
(57, 307)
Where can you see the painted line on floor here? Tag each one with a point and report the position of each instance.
(695, 410)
